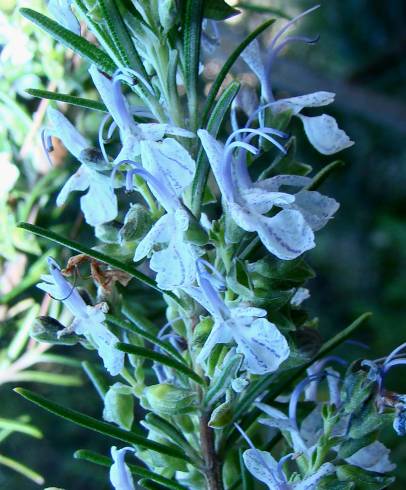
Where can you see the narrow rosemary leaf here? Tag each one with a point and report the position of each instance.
(95, 376)
(16, 426)
(71, 40)
(324, 173)
(78, 247)
(161, 358)
(69, 99)
(100, 33)
(98, 426)
(121, 38)
(137, 329)
(213, 126)
(279, 386)
(93, 457)
(192, 29)
(22, 469)
(47, 378)
(227, 67)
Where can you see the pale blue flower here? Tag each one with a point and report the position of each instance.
(99, 204)
(120, 474)
(88, 320)
(266, 469)
(167, 176)
(61, 11)
(131, 133)
(290, 232)
(322, 131)
(263, 346)
(263, 466)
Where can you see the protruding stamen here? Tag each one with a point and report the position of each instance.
(394, 353)
(290, 24)
(168, 201)
(294, 399)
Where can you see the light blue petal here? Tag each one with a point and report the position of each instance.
(161, 232)
(120, 475)
(316, 209)
(120, 112)
(79, 181)
(263, 467)
(324, 134)
(73, 141)
(99, 204)
(286, 235)
(220, 334)
(168, 160)
(296, 104)
(175, 265)
(215, 154)
(263, 346)
(252, 56)
(374, 457)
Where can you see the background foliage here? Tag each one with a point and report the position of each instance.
(360, 260)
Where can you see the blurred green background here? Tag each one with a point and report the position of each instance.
(361, 256)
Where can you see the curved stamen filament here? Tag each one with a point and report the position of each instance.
(102, 140)
(393, 354)
(122, 76)
(290, 24)
(167, 200)
(294, 399)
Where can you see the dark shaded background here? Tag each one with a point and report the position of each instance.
(361, 255)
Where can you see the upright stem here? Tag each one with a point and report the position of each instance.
(212, 467)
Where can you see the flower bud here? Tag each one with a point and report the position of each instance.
(119, 406)
(221, 416)
(46, 329)
(168, 399)
(201, 332)
(137, 223)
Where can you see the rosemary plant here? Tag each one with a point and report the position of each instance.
(213, 374)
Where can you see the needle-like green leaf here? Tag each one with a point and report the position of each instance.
(71, 40)
(192, 29)
(96, 425)
(78, 247)
(68, 99)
